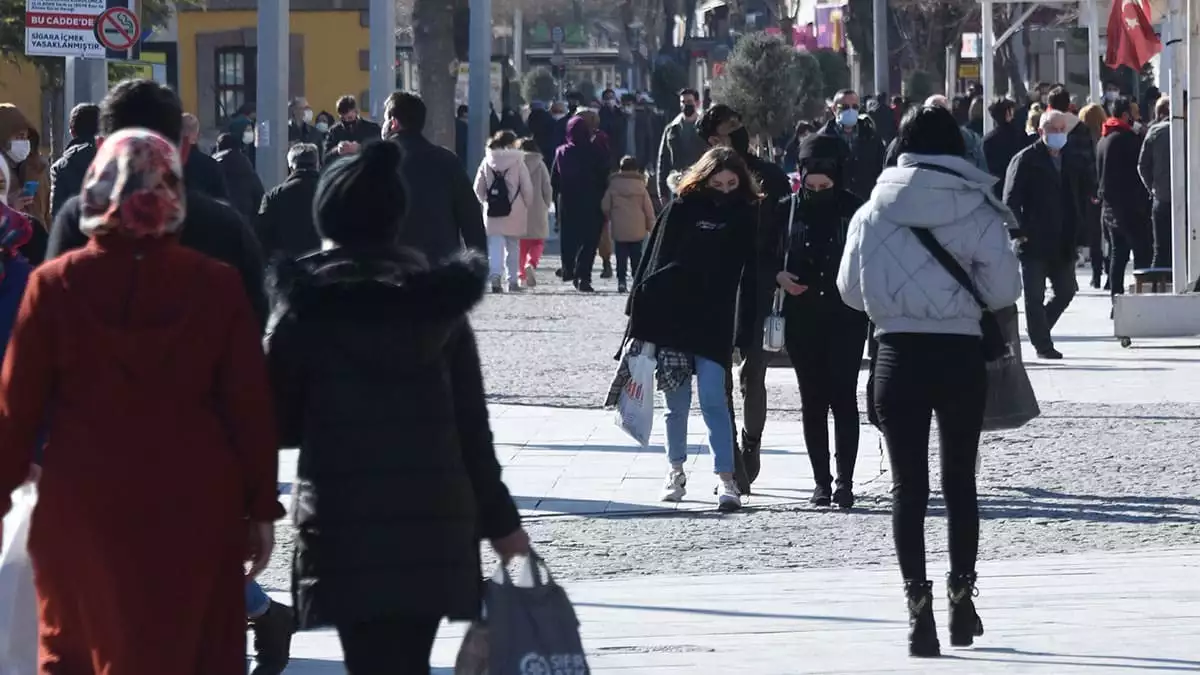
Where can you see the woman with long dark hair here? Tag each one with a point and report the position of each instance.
(931, 359)
(684, 301)
(824, 337)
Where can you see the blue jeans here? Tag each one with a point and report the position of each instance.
(257, 601)
(714, 407)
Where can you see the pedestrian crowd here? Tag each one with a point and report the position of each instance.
(141, 278)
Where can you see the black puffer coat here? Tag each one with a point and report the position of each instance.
(378, 382)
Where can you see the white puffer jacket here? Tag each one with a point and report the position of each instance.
(511, 165)
(887, 273)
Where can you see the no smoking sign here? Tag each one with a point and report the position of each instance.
(118, 29)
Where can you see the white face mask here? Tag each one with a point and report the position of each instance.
(18, 149)
(308, 116)
(248, 137)
(557, 116)
(322, 127)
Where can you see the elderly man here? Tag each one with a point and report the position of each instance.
(200, 171)
(1154, 167)
(285, 224)
(1048, 190)
(300, 123)
(863, 150)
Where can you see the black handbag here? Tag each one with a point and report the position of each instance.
(996, 345)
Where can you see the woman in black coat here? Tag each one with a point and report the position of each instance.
(824, 336)
(378, 382)
(698, 272)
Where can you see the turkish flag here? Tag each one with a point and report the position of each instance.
(1131, 38)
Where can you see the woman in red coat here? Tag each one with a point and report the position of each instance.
(143, 360)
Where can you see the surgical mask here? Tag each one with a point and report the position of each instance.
(628, 110)
(248, 138)
(689, 110)
(847, 117)
(1137, 127)
(1110, 96)
(740, 141)
(1056, 140)
(18, 149)
(308, 116)
(557, 116)
(322, 127)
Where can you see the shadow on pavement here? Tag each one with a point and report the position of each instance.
(735, 613)
(323, 667)
(1088, 660)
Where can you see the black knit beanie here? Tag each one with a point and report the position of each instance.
(360, 199)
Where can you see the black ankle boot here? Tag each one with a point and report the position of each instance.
(965, 624)
(922, 630)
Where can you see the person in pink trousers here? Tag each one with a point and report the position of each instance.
(505, 192)
(534, 241)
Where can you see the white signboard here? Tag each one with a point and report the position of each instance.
(69, 28)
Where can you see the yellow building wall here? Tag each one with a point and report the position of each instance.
(20, 86)
(332, 41)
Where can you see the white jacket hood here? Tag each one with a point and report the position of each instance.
(911, 196)
(504, 158)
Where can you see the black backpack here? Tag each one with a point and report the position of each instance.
(499, 204)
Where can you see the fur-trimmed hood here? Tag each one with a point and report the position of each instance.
(392, 309)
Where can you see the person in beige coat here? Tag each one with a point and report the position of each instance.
(630, 214)
(505, 225)
(534, 241)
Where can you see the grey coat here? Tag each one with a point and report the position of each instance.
(680, 148)
(1154, 162)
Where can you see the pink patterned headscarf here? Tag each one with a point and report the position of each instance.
(133, 187)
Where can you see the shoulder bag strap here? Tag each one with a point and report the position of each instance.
(778, 297)
(949, 263)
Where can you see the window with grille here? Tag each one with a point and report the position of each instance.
(235, 80)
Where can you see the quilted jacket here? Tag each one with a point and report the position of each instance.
(887, 273)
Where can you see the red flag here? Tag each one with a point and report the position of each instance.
(1131, 38)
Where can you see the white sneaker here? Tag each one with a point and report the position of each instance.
(676, 486)
(530, 276)
(497, 285)
(728, 498)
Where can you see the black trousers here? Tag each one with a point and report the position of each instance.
(1161, 217)
(752, 381)
(1127, 240)
(826, 349)
(395, 646)
(588, 239)
(916, 377)
(568, 248)
(629, 254)
(1041, 316)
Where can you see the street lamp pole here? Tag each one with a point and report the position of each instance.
(271, 139)
(480, 79)
(383, 54)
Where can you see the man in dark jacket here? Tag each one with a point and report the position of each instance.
(722, 125)
(1079, 137)
(245, 187)
(285, 220)
(863, 150)
(350, 132)
(300, 123)
(66, 174)
(201, 172)
(883, 118)
(681, 145)
(1048, 189)
(1124, 202)
(1003, 142)
(443, 213)
(462, 131)
(1154, 167)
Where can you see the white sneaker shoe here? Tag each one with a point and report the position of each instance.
(728, 498)
(676, 486)
(530, 276)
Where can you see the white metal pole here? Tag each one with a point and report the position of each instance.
(1193, 138)
(1177, 65)
(271, 137)
(879, 10)
(383, 54)
(479, 97)
(1094, 87)
(518, 42)
(987, 74)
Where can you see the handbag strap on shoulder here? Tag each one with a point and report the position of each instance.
(949, 263)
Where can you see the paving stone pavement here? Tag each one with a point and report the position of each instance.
(1110, 466)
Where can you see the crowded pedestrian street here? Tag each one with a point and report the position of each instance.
(1090, 516)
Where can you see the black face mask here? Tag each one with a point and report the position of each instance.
(818, 196)
(740, 141)
(722, 198)
(689, 110)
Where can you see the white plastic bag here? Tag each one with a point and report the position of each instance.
(18, 600)
(635, 408)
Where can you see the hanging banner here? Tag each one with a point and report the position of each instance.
(831, 26)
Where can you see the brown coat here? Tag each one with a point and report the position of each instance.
(628, 207)
(35, 167)
(142, 364)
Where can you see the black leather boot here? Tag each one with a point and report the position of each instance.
(965, 624)
(273, 639)
(922, 630)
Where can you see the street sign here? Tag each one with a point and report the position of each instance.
(968, 71)
(557, 36)
(118, 29)
(72, 28)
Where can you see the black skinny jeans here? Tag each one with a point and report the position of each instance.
(825, 345)
(395, 646)
(1126, 240)
(1160, 215)
(917, 376)
(629, 256)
